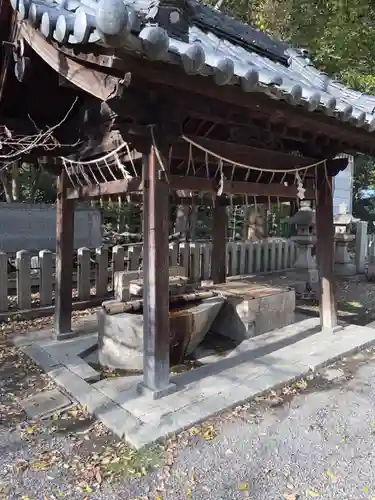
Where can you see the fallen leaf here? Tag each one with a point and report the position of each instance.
(195, 431)
(366, 490)
(193, 476)
(209, 433)
(30, 430)
(313, 493)
(331, 475)
(301, 384)
(98, 477)
(243, 486)
(40, 465)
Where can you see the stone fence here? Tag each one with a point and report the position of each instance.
(30, 283)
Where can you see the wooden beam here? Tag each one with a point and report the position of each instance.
(64, 260)
(325, 251)
(120, 186)
(247, 155)
(239, 153)
(156, 337)
(189, 183)
(219, 237)
(93, 81)
(207, 200)
(202, 184)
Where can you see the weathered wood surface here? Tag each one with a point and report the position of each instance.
(155, 275)
(219, 236)
(189, 183)
(135, 306)
(325, 253)
(64, 258)
(93, 81)
(175, 81)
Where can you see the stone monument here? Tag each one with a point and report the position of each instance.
(344, 265)
(304, 220)
(305, 239)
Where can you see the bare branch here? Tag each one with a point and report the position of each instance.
(16, 145)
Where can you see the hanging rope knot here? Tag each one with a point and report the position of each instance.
(221, 181)
(300, 189)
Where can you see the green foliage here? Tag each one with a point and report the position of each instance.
(36, 185)
(339, 34)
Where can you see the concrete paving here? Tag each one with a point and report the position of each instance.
(284, 356)
(44, 403)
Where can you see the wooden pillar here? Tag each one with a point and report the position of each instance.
(325, 250)
(156, 336)
(64, 260)
(219, 241)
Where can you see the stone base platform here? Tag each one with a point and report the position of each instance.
(252, 309)
(260, 364)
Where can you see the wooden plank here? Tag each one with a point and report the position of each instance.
(245, 154)
(189, 183)
(156, 276)
(207, 200)
(202, 184)
(240, 153)
(219, 236)
(120, 186)
(96, 83)
(325, 251)
(64, 259)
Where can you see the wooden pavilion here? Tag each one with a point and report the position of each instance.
(174, 100)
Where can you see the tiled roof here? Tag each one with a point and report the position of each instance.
(203, 41)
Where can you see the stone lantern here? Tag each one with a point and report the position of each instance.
(344, 266)
(304, 220)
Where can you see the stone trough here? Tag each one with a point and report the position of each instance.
(238, 309)
(121, 335)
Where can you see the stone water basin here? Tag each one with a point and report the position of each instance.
(120, 343)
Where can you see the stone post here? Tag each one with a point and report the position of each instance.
(361, 242)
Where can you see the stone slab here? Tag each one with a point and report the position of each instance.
(123, 279)
(205, 391)
(44, 403)
(177, 285)
(252, 309)
(67, 353)
(118, 420)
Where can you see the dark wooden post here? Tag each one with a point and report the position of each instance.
(64, 260)
(325, 250)
(219, 241)
(156, 336)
